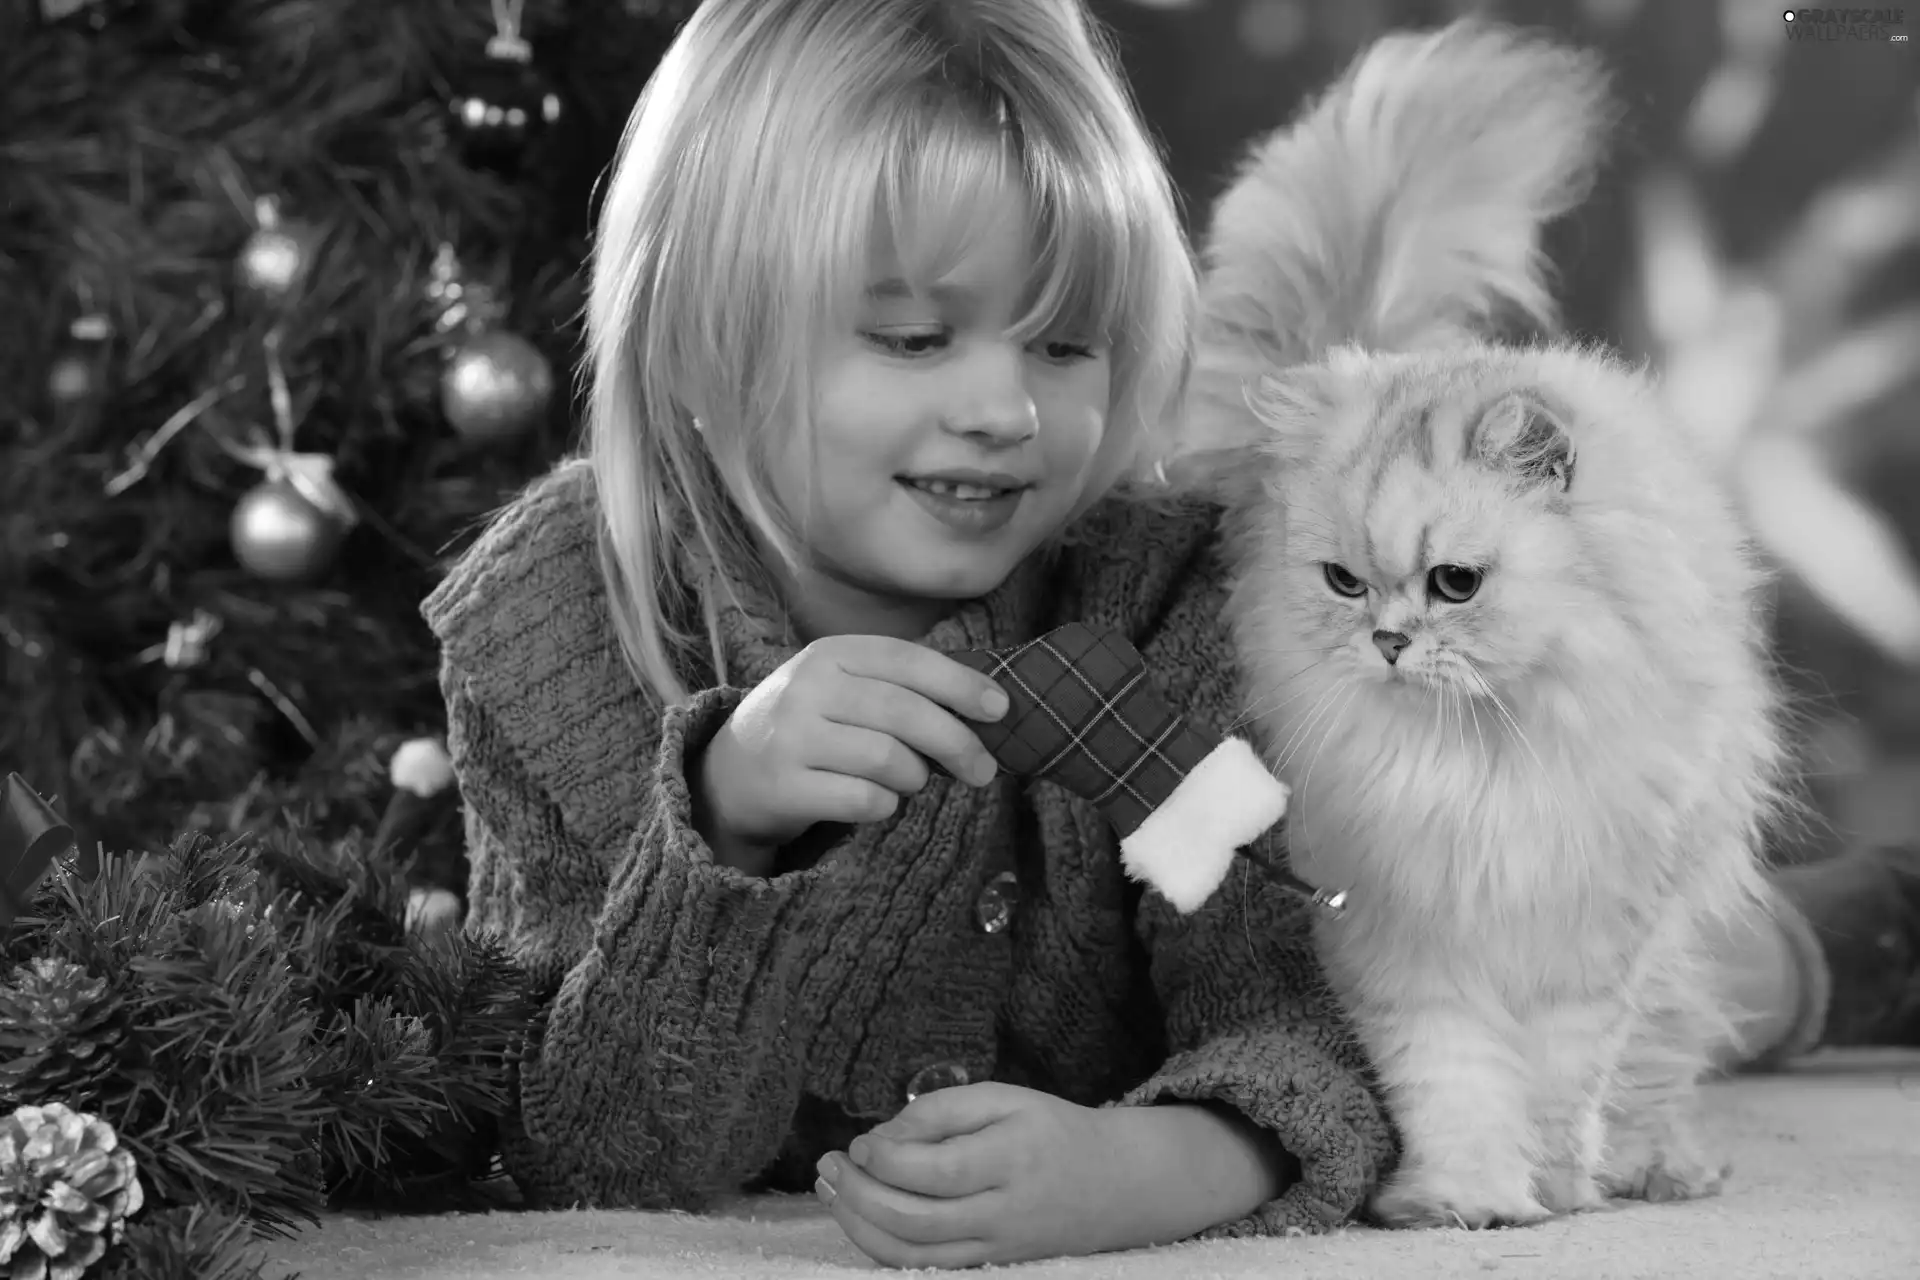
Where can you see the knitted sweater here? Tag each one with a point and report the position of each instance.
(703, 1028)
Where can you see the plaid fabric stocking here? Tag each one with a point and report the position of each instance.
(1086, 715)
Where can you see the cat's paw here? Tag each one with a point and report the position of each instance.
(1568, 1189)
(1430, 1200)
(1665, 1177)
(1655, 1151)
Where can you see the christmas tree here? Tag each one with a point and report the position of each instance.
(292, 297)
(290, 304)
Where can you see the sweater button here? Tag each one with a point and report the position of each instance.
(993, 909)
(939, 1075)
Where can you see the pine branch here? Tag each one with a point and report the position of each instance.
(273, 1040)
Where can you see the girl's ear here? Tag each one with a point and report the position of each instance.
(1239, 425)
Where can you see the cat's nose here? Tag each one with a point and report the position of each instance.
(1390, 643)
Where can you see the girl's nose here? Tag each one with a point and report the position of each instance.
(995, 404)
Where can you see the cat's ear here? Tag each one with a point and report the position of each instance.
(1238, 425)
(1296, 404)
(1524, 437)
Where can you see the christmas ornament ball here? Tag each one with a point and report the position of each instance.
(278, 535)
(273, 260)
(495, 388)
(70, 378)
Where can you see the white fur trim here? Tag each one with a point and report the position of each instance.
(432, 910)
(421, 766)
(1185, 847)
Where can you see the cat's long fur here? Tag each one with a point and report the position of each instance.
(1566, 774)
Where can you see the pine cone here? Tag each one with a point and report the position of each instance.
(66, 1188)
(60, 1034)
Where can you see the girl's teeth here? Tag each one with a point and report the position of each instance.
(953, 489)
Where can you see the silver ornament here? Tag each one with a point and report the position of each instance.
(281, 536)
(496, 388)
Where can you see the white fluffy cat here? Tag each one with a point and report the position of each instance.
(1499, 627)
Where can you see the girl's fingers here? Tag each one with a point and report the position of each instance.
(860, 752)
(948, 1113)
(891, 1251)
(906, 1216)
(949, 1169)
(922, 725)
(930, 674)
(841, 797)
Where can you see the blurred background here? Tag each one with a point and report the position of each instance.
(288, 299)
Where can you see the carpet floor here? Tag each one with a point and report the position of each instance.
(1826, 1186)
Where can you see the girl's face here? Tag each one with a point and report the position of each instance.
(944, 451)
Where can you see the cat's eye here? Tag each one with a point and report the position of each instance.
(1343, 582)
(1454, 582)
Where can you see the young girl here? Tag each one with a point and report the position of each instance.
(885, 295)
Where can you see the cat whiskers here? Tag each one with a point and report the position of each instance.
(1352, 687)
(1297, 740)
(1499, 704)
(1261, 708)
(1453, 707)
(1473, 708)
(1461, 695)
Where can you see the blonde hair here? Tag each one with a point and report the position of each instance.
(774, 141)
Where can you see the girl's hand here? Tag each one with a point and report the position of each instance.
(839, 733)
(987, 1173)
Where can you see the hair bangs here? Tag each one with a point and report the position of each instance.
(1085, 277)
(946, 175)
(947, 170)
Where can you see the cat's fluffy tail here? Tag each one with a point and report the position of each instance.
(1404, 208)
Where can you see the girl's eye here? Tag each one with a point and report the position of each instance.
(928, 341)
(1454, 582)
(1342, 582)
(921, 343)
(1064, 351)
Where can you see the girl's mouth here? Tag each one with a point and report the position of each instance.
(966, 507)
(959, 489)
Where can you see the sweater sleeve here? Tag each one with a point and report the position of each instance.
(1250, 1023)
(1250, 1026)
(662, 1067)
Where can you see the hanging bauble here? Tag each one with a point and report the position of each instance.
(287, 529)
(506, 104)
(77, 373)
(496, 387)
(277, 256)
